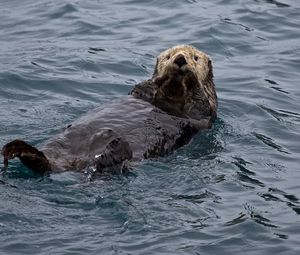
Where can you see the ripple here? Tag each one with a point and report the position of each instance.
(240, 219)
(269, 142)
(277, 3)
(282, 115)
(62, 11)
(229, 21)
(258, 218)
(277, 87)
(198, 198)
(244, 178)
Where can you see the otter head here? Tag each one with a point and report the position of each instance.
(184, 78)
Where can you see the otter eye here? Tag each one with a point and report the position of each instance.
(168, 57)
(196, 58)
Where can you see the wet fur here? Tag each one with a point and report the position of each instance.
(186, 93)
(157, 117)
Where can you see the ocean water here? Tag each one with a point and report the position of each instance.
(234, 189)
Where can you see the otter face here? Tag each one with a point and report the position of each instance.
(184, 79)
(183, 59)
(182, 84)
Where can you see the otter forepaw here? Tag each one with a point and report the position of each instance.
(11, 150)
(114, 157)
(29, 156)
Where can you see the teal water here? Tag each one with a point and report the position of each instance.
(234, 189)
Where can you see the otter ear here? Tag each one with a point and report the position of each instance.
(155, 68)
(210, 74)
(209, 82)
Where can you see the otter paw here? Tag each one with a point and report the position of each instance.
(11, 150)
(113, 157)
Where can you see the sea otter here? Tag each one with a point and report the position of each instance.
(158, 116)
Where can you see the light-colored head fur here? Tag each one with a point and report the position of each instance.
(182, 84)
(184, 76)
(197, 62)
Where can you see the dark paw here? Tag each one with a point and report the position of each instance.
(14, 149)
(11, 150)
(160, 80)
(29, 156)
(113, 157)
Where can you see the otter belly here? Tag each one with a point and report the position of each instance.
(128, 129)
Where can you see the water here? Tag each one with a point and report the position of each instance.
(233, 189)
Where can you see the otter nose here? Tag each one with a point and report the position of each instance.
(180, 60)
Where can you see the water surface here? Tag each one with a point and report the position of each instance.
(234, 189)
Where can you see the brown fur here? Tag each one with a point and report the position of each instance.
(161, 115)
(187, 90)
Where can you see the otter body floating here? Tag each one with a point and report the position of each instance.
(158, 116)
